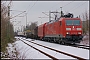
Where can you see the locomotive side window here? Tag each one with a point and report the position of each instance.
(60, 23)
(72, 22)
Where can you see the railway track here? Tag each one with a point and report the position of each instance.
(52, 57)
(41, 51)
(81, 46)
(77, 45)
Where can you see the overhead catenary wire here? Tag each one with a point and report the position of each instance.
(63, 5)
(16, 10)
(77, 6)
(81, 11)
(27, 11)
(81, 15)
(24, 11)
(18, 23)
(19, 11)
(31, 7)
(70, 3)
(47, 15)
(18, 14)
(59, 8)
(28, 7)
(74, 9)
(66, 4)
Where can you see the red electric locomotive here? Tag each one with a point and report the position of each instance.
(64, 30)
(41, 31)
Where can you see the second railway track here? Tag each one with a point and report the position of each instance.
(81, 46)
(52, 57)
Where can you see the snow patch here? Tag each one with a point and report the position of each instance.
(85, 40)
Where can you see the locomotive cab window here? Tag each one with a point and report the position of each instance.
(72, 22)
(76, 22)
(60, 23)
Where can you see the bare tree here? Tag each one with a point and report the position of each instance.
(85, 22)
(6, 37)
(32, 26)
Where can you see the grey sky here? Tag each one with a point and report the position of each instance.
(75, 7)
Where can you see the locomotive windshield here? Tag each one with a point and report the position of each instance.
(72, 22)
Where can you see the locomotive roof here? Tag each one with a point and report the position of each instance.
(69, 18)
(41, 25)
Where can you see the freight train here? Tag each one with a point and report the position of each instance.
(65, 29)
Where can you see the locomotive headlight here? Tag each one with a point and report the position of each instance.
(67, 33)
(79, 32)
(78, 28)
(68, 28)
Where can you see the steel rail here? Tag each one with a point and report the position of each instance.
(41, 51)
(57, 51)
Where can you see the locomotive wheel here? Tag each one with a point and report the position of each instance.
(59, 42)
(63, 43)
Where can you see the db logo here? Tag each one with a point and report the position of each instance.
(73, 29)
